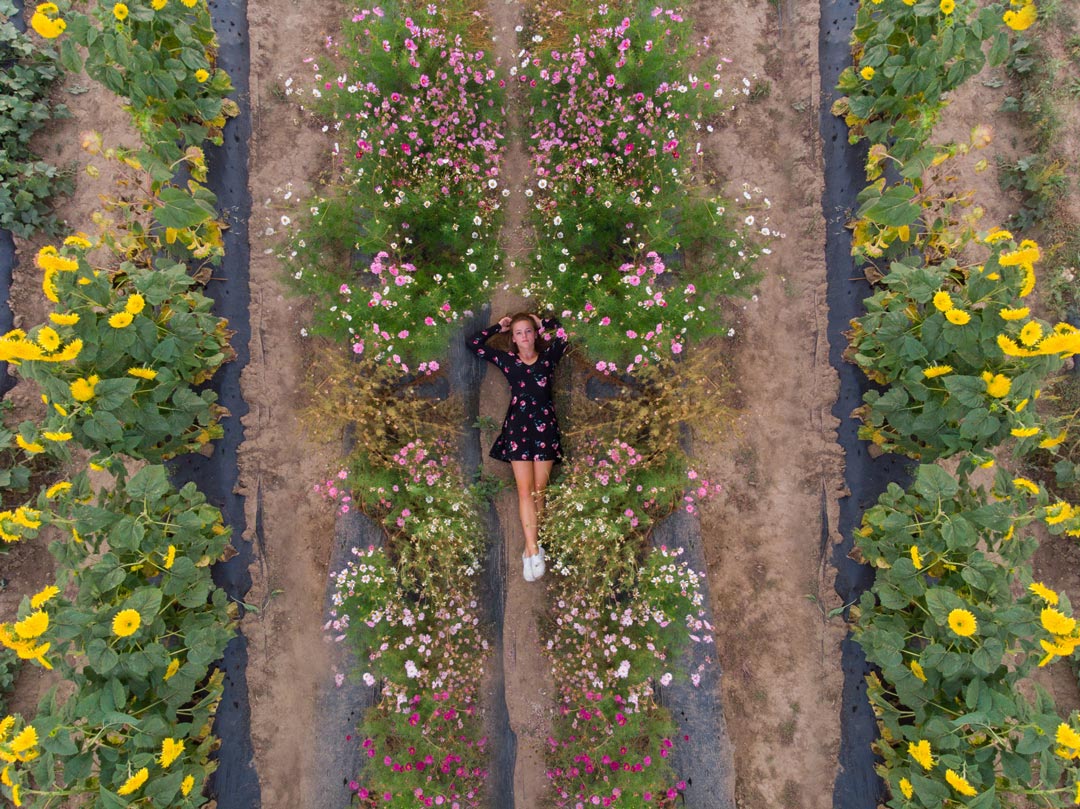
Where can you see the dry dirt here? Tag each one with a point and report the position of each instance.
(279, 462)
(769, 577)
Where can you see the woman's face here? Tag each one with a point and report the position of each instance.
(523, 333)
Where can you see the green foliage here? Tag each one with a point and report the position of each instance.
(940, 547)
(612, 494)
(903, 335)
(152, 58)
(964, 364)
(27, 183)
(611, 642)
(134, 621)
(431, 517)
(630, 242)
(146, 547)
(918, 54)
(9, 667)
(400, 245)
(15, 469)
(171, 334)
(1041, 183)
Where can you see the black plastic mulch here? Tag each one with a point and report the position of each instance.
(7, 317)
(703, 756)
(341, 708)
(235, 784)
(466, 373)
(857, 786)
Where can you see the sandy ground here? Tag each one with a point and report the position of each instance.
(279, 462)
(769, 577)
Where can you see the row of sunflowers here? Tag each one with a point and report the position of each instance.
(133, 622)
(953, 624)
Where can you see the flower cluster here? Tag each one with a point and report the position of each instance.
(335, 491)
(611, 740)
(411, 613)
(953, 616)
(625, 239)
(24, 637)
(120, 358)
(612, 643)
(19, 523)
(47, 22)
(613, 493)
(400, 247)
(147, 623)
(964, 358)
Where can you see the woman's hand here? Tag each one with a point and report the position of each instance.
(504, 324)
(537, 321)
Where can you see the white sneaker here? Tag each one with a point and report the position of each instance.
(527, 563)
(538, 563)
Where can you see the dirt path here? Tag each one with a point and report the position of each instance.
(768, 570)
(529, 689)
(279, 462)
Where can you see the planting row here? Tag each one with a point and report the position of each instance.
(394, 251)
(133, 619)
(401, 245)
(953, 622)
(630, 237)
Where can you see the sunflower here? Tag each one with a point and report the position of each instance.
(963, 623)
(958, 317)
(126, 623)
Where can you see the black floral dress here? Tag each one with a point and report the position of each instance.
(530, 430)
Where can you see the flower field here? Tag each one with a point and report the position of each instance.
(648, 174)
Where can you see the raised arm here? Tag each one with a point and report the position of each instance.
(553, 332)
(476, 344)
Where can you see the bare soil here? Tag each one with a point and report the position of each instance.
(279, 462)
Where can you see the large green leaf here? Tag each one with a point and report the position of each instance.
(150, 483)
(180, 210)
(893, 208)
(934, 483)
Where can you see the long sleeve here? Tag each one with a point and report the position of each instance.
(476, 344)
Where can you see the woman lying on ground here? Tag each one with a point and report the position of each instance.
(529, 440)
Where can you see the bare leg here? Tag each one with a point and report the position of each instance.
(541, 474)
(523, 475)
